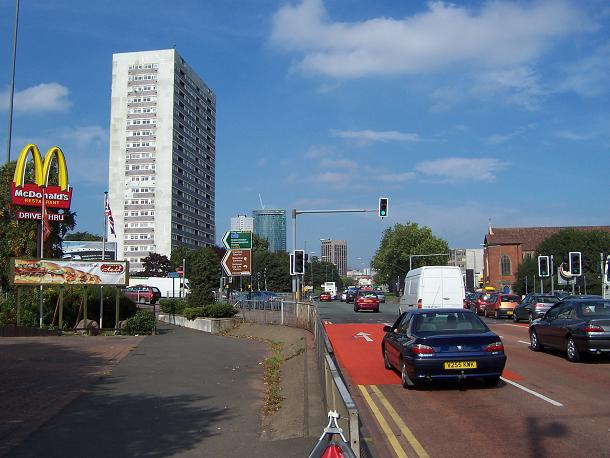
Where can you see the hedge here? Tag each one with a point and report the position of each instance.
(210, 311)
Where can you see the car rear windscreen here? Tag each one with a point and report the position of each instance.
(595, 309)
(510, 298)
(454, 321)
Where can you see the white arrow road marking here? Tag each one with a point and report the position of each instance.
(523, 342)
(364, 335)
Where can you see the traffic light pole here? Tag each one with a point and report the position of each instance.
(296, 279)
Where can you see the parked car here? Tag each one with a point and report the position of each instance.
(442, 344)
(143, 294)
(433, 287)
(380, 295)
(533, 306)
(501, 305)
(351, 294)
(366, 300)
(325, 296)
(344, 295)
(577, 326)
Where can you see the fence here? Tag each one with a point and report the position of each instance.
(304, 315)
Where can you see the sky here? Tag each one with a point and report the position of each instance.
(459, 113)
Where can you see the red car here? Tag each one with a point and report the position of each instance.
(325, 297)
(143, 294)
(366, 300)
(480, 304)
(500, 305)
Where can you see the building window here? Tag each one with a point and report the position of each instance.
(505, 267)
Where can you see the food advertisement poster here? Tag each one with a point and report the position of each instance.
(68, 272)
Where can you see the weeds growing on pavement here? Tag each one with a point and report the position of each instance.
(272, 378)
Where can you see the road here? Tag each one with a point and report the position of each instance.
(544, 405)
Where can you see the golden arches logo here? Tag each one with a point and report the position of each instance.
(30, 194)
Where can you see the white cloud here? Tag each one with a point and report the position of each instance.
(496, 139)
(376, 136)
(455, 169)
(85, 136)
(334, 178)
(316, 152)
(338, 164)
(45, 97)
(397, 177)
(496, 35)
(587, 77)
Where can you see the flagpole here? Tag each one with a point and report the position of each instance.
(104, 257)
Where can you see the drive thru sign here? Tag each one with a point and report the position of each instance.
(237, 262)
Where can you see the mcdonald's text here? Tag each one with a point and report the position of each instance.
(31, 195)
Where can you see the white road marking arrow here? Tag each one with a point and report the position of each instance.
(364, 335)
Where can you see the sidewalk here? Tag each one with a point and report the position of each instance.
(181, 393)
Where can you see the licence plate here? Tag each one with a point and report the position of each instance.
(510, 312)
(460, 364)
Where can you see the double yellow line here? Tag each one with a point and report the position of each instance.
(385, 427)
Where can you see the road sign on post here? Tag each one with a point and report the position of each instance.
(237, 262)
(237, 240)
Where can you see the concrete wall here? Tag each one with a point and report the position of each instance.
(211, 325)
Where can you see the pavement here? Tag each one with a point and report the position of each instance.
(180, 393)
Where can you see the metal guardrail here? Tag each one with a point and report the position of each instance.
(304, 315)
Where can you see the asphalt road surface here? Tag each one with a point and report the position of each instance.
(544, 405)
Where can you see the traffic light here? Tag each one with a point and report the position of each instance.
(543, 266)
(383, 207)
(576, 263)
(299, 262)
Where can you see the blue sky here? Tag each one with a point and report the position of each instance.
(456, 112)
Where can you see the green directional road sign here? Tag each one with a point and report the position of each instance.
(237, 240)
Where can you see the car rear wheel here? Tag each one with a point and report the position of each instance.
(572, 351)
(386, 361)
(492, 381)
(404, 376)
(534, 342)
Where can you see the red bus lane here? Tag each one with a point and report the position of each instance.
(545, 405)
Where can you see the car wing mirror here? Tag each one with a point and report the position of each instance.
(388, 329)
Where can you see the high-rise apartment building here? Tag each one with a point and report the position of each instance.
(335, 252)
(271, 225)
(242, 223)
(162, 155)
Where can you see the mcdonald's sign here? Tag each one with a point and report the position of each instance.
(30, 194)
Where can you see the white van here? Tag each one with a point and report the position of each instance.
(433, 287)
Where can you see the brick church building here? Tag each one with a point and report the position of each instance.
(506, 247)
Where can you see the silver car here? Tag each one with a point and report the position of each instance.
(381, 296)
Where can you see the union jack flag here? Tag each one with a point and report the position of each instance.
(110, 218)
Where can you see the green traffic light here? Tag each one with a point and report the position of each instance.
(382, 212)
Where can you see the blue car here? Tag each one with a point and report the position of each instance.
(442, 344)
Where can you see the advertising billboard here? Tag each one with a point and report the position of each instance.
(67, 272)
(88, 250)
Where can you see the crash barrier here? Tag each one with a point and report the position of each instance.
(304, 315)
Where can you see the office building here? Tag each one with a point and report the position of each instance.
(162, 156)
(466, 259)
(335, 252)
(271, 225)
(242, 223)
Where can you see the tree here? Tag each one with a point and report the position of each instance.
(178, 254)
(392, 257)
(18, 238)
(589, 243)
(323, 272)
(83, 236)
(156, 265)
(204, 275)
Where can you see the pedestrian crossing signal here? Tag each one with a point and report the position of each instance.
(383, 207)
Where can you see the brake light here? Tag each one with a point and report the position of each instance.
(420, 304)
(495, 347)
(420, 349)
(593, 328)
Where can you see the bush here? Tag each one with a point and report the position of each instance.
(210, 311)
(190, 313)
(142, 322)
(220, 311)
(172, 306)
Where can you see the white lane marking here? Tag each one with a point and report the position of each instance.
(538, 395)
(523, 341)
(515, 325)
